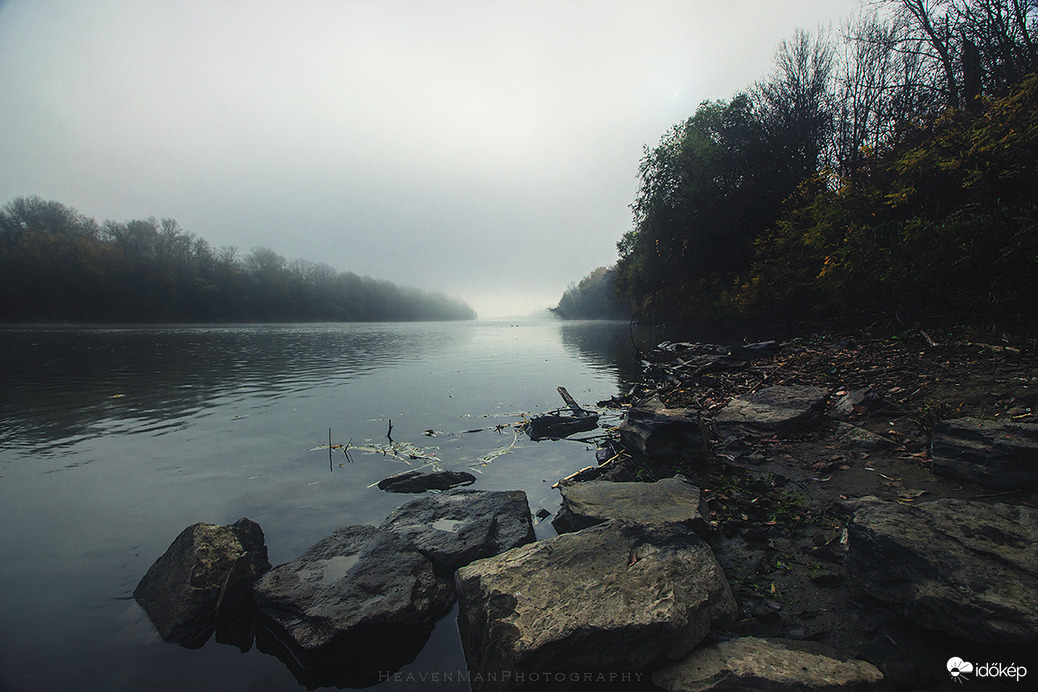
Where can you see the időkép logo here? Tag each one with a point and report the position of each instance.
(961, 670)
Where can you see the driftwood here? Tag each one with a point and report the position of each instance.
(572, 403)
(555, 426)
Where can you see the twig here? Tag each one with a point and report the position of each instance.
(992, 347)
(586, 469)
(1008, 492)
(769, 374)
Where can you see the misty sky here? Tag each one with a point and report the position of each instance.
(485, 149)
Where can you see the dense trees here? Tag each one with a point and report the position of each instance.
(943, 223)
(718, 180)
(58, 265)
(873, 175)
(691, 220)
(594, 298)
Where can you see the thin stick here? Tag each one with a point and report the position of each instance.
(389, 433)
(586, 469)
(329, 449)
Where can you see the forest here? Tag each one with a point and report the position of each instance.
(593, 298)
(57, 265)
(881, 174)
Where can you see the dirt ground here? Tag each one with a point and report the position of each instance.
(776, 501)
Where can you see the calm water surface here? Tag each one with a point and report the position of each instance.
(112, 440)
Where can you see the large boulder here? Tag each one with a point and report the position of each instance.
(652, 429)
(768, 665)
(453, 529)
(966, 568)
(779, 409)
(593, 502)
(353, 595)
(614, 597)
(420, 481)
(1000, 454)
(203, 578)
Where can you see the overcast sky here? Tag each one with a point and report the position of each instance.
(486, 149)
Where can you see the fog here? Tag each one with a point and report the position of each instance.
(488, 150)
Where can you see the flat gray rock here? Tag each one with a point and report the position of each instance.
(782, 409)
(668, 500)
(999, 454)
(654, 430)
(452, 529)
(358, 590)
(203, 577)
(614, 597)
(854, 436)
(965, 568)
(768, 665)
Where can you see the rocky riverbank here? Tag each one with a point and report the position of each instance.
(876, 496)
(817, 514)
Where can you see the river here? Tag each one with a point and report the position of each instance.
(113, 440)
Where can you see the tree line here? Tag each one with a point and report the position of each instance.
(593, 298)
(57, 265)
(882, 172)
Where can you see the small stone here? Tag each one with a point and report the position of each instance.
(861, 438)
(419, 481)
(856, 403)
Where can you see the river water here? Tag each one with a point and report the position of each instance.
(113, 440)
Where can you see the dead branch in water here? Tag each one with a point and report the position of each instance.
(571, 402)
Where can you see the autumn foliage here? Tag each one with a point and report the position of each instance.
(945, 223)
(885, 179)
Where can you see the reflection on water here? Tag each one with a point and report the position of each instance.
(62, 384)
(617, 347)
(606, 345)
(112, 440)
